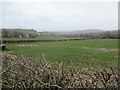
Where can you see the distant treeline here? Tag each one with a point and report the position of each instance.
(31, 33)
(115, 34)
(105, 34)
(19, 33)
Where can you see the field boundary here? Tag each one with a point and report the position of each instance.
(21, 41)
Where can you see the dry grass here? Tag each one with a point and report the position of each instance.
(19, 73)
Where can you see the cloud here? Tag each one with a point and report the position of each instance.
(58, 1)
(65, 16)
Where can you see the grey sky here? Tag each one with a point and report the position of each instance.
(63, 16)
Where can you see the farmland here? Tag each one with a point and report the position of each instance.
(60, 62)
(42, 38)
(59, 45)
(98, 53)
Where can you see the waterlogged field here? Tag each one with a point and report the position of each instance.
(98, 53)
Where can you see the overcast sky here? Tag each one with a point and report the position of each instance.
(60, 16)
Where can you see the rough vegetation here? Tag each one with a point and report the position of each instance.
(21, 74)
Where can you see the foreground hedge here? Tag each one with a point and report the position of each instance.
(21, 74)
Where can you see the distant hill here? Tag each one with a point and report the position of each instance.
(90, 31)
(72, 32)
(78, 31)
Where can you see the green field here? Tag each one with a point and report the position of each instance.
(100, 53)
(42, 38)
